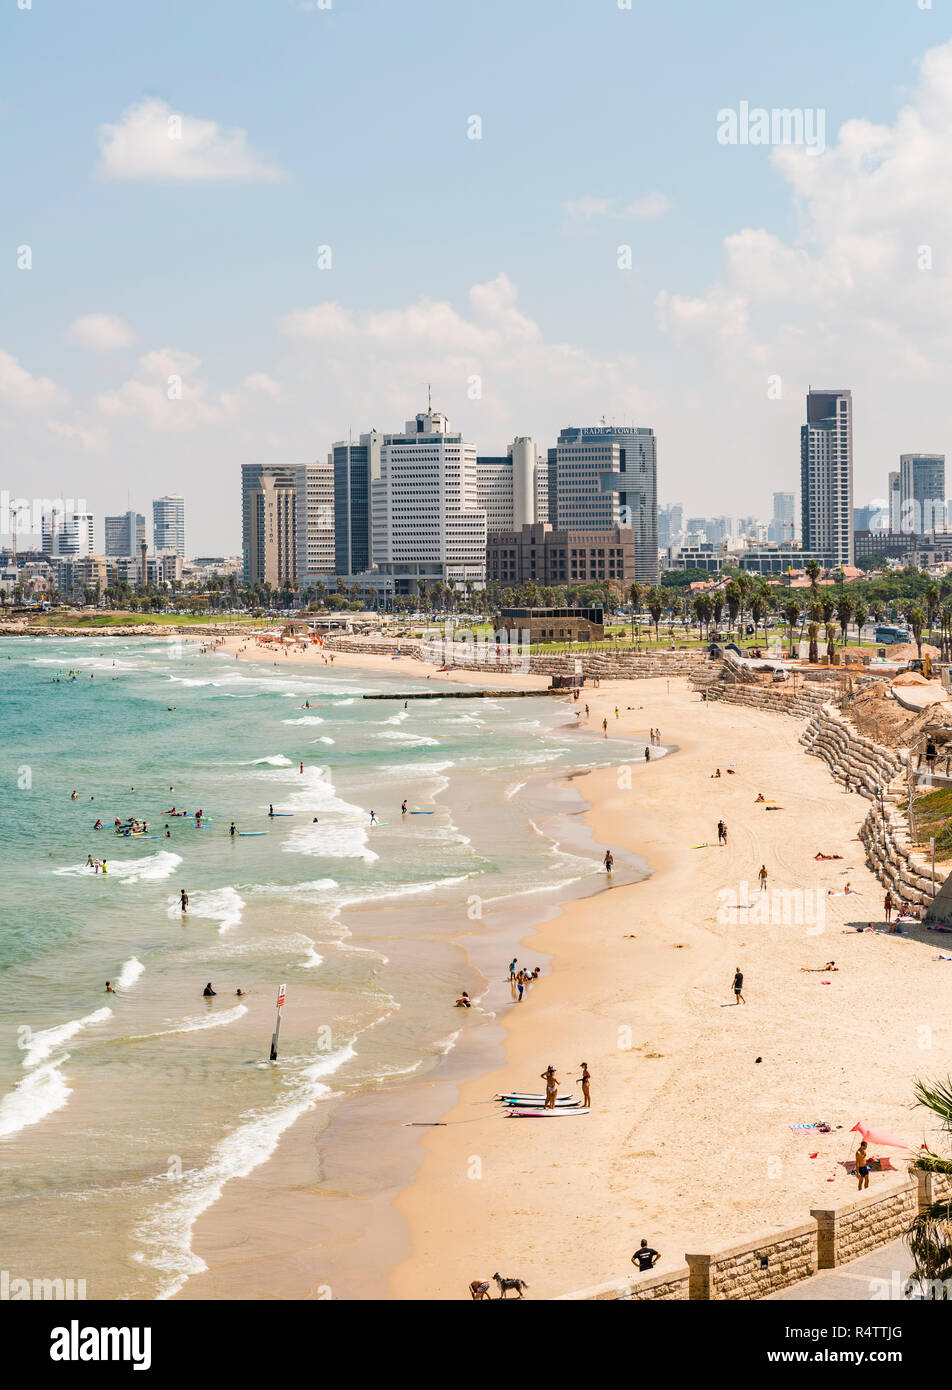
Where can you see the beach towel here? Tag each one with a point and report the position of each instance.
(876, 1165)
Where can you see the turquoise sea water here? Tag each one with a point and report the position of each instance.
(122, 1116)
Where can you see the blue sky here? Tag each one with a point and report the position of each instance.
(355, 136)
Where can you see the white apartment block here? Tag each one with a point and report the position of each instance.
(314, 522)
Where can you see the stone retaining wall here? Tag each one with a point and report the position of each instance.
(757, 1268)
(845, 1233)
(672, 1285)
(799, 704)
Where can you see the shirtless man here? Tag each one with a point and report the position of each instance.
(862, 1167)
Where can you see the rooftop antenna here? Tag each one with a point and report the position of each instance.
(429, 400)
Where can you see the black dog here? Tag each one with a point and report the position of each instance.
(506, 1284)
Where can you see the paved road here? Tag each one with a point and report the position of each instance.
(876, 1276)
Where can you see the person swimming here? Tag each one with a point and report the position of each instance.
(208, 992)
(109, 988)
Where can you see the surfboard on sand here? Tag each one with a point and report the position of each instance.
(527, 1098)
(562, 1111)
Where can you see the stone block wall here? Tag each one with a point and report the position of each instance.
(845, 1233)
(673, 1285)
(756, 1268)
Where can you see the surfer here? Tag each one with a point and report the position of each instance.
(208, 992)
(270, 809)
(373, 818)
(403, 809)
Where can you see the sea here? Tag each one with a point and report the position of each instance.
(126, 1115)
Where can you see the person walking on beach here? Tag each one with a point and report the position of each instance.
(617, 715)
(738, 986)
(721, 833)
(888, 905)
(645, 1258)
(609, 861)
(763, 878)
(605, 727)
(551, 1087)
(862, 1167)
(585, 1082)
(521, 984)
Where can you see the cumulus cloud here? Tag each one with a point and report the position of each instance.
(151, 141)
(100, 332)
(166, 392)
(18, 387)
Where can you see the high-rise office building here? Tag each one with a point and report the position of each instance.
(826, 477)
(356, 467)
(895, 503)
(921, 493)
(168, 524)
(67, 535)
(607, 476)
(670, 525)
(506, 486)
(268, 537)
(425, 518)
(782, 527)
(314, 506)
(123, 533)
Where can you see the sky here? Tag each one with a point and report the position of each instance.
(237, 230)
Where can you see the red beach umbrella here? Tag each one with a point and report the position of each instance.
(879, 1136)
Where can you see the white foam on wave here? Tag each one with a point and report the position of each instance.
(223, 905)
(402, 890)
(395, 718)
(197, 1023)
(44, 1043)
(407, 740)
(153, 866)
(130, 972)
(166, 1232)
(447, 1044)
(323, 739)
(516, 787)
(307, 719)
(35, 1097)
(313, 794)
(275, 760)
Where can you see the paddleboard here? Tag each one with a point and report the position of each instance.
(252, 832)
(273, 815)
(422, 813)
(538, 1104)
(562, 1111)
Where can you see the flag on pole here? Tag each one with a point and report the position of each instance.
(281, 993)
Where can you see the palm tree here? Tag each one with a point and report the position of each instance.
(813, 573)
(732, 596)
(831, 640)
(917, 621)
(844, 612)
(655, 607)
(861, 618)
(813, 635)
(930, 1236)
(932, 598)
(791, 614)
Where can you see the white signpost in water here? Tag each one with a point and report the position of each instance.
(277, 1026)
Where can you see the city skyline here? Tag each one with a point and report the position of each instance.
(521, 315)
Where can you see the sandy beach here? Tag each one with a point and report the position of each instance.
(689, 1142)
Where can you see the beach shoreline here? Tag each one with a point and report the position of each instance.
(639, 988)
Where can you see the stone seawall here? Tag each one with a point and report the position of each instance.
(845, 1233)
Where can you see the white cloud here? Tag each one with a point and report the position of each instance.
(587, 208)
(260, 381)
(151, 141)
(100, 332)
(166, 393)
(20, 388)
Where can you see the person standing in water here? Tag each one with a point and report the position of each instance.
(609, 861)
(585, 1082)
(373, 818)
(302, 767)
(403, 809)
(184, 900)
(233, 831)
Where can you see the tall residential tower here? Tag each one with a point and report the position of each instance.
(826, 477)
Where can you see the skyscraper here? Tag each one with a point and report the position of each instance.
(506, 486)
(427, 525)
(123, 533)
(356, 466)
(782, 527)
(921, 493)
(826, 477)
(314, 502)
(607, 476)
(67, 535)
(895, 504)
(168, 525)
(268, 537)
